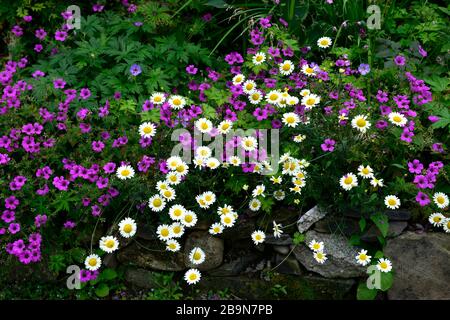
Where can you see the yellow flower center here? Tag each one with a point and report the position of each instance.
(310, 101)
(258, 237)
(172, 246)
(110, 243)
(188, 218)
(259, 58)
(227, 220)
(273, 97)
(125, 172)
(204, 126)
(168, 193)
(197, 255)
(127, 228)
(249, 86)
(348, 180)
(158, 99)
(392, 202)
(309, 70)
(216, 229)
(176, 102)
(148, 130)
(383, 265)
(397, 119)
(286, 67)
(365, 171)
(176, 229)
(165, 232)
(255, 96)
(324, 42)
(157, 202)
(440, 200)
(92, 262)
(361, 122)
(192, 276)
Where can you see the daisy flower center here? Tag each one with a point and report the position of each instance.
(164, 232)
(397, 119)
(309, 70)
(348, 180)
(437, 219)
(157, 202)
(92, 262)
(440, 200)
(383, 265)
(148, 130)
(392, 202)
(127, 228)
(192, 276)
(176, 102)
(361, 122)
(110, 243)
(188, 218)
(125, 172)
(197, 256)
(286, 67)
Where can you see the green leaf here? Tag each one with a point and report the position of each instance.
(108, 274)
(152, 115)
(382, 222)
(379, 254)
(364, 293)
(387, 279)
(362, 224)
(102, 290)
(355, 240)
(209, 112)
(298, 238)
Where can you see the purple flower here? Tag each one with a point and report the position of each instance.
(191, 69)
(400, 60)
(102, 183)
(11, 202)
(422, 52)
(40, 34)
(27, 18)
(85, 93)
(328, 145)
(69, 224)
(59, 83)
(14, 228)
(364, 69)
(60, 35)
(40, 220)
(207, 17)
(135, 69)
(60, 183)
(415, 166)
(97, 7)
(265, 22)
(422, 199)
(438, 147)
(97, 146)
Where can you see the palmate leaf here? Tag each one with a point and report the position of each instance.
(157, 80)
(382, 223)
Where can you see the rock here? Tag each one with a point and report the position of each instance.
(395, 229)
(212, 246)
(309, 218)
(281, 249)
(110, 261)
(337, 225)
(308, 287)
(203, 225)
(156, 258)
(341, 261)
(421, 266)
(241, 230)
(140, 278)
(283, 240)
(287, 265)
(393, 215)
(144, 232)
(235, 266)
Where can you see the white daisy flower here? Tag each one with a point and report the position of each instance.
(177, 230)
(441, 200)
(392, 202)
(109, 244)
(254, 204)
(216, 228)
(157, 98)
(376, 182)
(204, 125)
(348, 181)
(307, 70)
(315, 245)
(446, 225)
(259, 58)
(320, 256)
(127, 228)
(249, 143)
(255, 97)
(212, 163)
(249, 86)
(203, 152)
(192, 276)
(162, 185)
(436, 219)
(93, 262)
(172, 245)
(234, 160)
(177, 102)
(258, 237)
(147, 130)
(274, 97)
(197, 256)
(291, 119)
(189, 219)
(182, 169)
(286, 67)
(305, 92)
(363, 258)
(125, 172)
(397, 119)
(225, 126)
(226, 209)
(168, 193)
(238, 79)
(310, 100)
(279, 195)
(173, 162)
(228, 220)
(366, 172)
(176, 212)
(292, 101)
(384, 265)
(299, 138)
(156, 203)
(324, 42)
(173, 178)
(258, 191)
(361, 123)
(164, 232)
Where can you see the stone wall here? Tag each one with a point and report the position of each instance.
(420, 259)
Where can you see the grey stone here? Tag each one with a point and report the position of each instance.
(287, 265)
(235, 266)
(395, 229)
(281, 249)
(241, 230)
(309, 218)
(341, 261)
(151, 255)
(212, 246)
(283, 240)
(140, 278)
(421, 266)
(337, 225)
(393, 215)
(284, 216)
